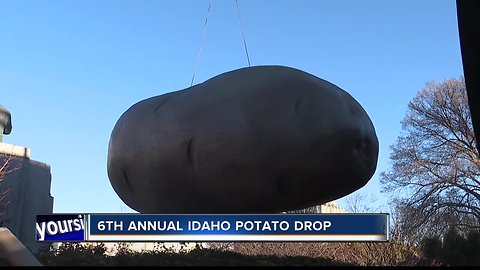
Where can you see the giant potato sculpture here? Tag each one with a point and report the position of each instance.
(261, 139)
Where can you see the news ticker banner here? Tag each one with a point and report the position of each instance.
(184, 228)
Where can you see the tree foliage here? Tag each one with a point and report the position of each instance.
(392, 253)
(435, 172)
(454, 249)
(95, 254)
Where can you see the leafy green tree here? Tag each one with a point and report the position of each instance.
(432, 248)
(472, 249)
(454, 249)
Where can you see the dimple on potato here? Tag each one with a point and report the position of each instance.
(261, 139)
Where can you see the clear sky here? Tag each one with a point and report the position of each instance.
(70, 68)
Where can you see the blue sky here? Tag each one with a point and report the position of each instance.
(70, 68)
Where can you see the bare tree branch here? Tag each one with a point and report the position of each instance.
(435, 172)
(7, 166)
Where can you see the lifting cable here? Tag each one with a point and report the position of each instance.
(205, 31)
(243, 33)
(201, 42)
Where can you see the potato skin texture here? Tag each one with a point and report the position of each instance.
(262, 139)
